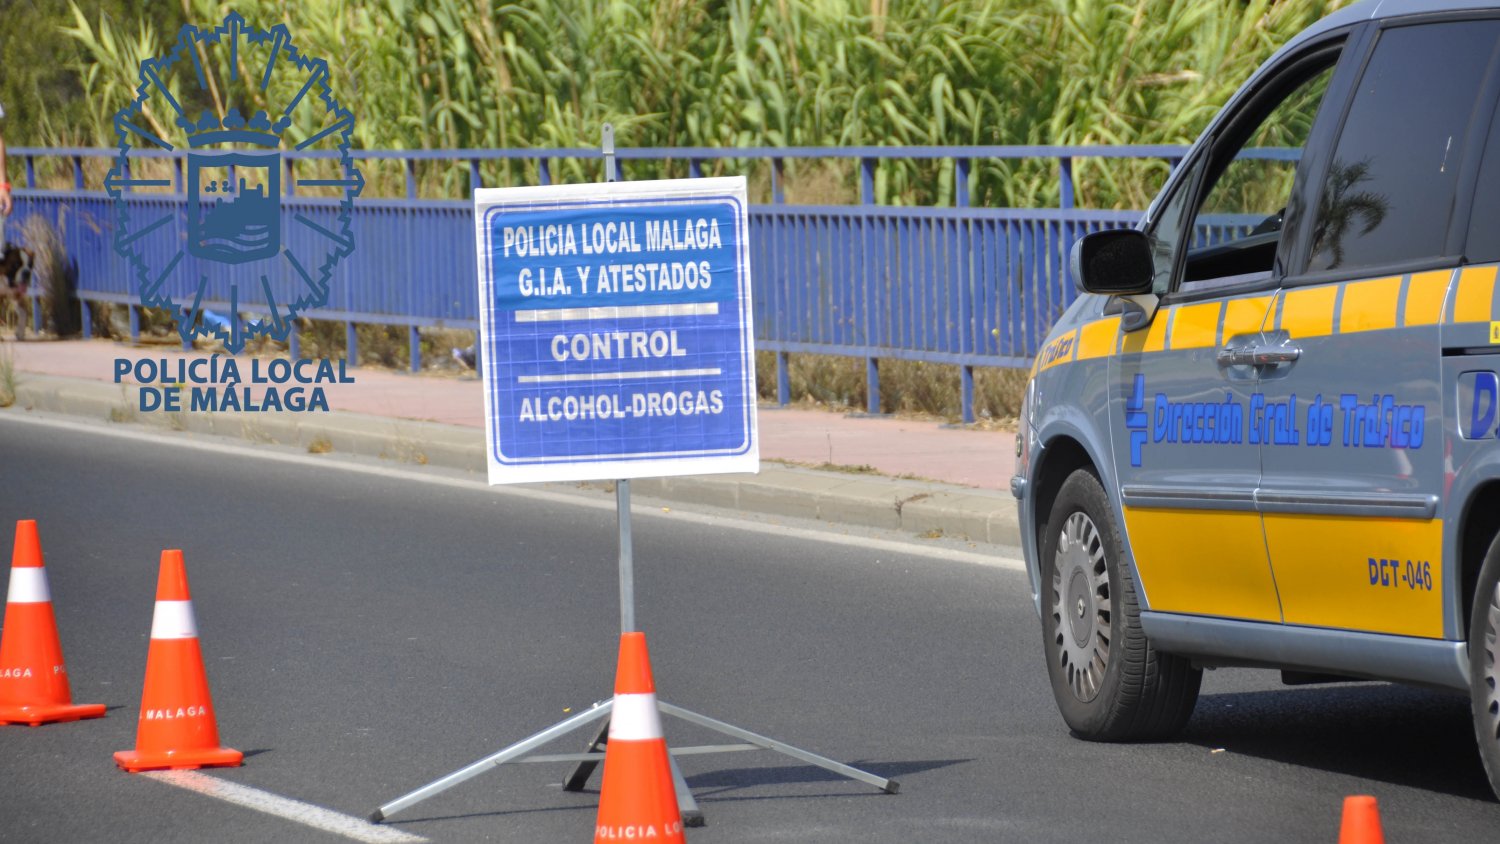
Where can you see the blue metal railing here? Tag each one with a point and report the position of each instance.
(957, 285)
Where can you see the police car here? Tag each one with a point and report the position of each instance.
(1266, 433)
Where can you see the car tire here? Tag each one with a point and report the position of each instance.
(1109, 682)
(1484, 664)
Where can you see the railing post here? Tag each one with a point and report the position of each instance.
(966, 377)
(778, 191)
(1065, 182)
(783, 380)
(872, 365)
(288, 184)
(294, 341)
(78, 176)
(411, 178)
(966, 371)
(544, 171)
(88, 318)
(351, 344)
(135, 323)
(695, 168)
(125, 171)
(474, 180)
(414, 347)
(31, 172)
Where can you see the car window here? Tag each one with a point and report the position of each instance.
(1388, 195)
(1238, 226)
(1167, 230)
(1235, 227)
(1483, 242)
(1251, 193)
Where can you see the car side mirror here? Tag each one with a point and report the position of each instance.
(1114, 262)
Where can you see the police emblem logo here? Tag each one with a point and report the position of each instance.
(260, 217)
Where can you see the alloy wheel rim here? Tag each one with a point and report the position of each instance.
(1488, 666)
(1081, 606)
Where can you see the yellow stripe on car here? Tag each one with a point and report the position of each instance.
(1369, 305)
(1476, 293)
(1242, 316)
(1424, 297)
(1308, 312)
(1097, 339)
(1061, 350)
(1232, 580)
(1153, 338)
(1357, 573)
(1366, 305)
(1196, 326)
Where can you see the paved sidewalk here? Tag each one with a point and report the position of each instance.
(920, 475)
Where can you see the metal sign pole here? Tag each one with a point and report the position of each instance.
(627, 562)
(589, 760)
(622, 487)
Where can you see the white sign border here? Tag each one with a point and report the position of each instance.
(540, 198)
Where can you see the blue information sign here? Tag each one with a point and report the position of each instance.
(615, 330)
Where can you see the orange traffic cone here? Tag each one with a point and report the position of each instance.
(636, 801)
(177, 728)
(1361, 821)
(33, 682)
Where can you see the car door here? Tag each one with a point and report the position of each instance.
(1187, 460)
(1353, 476)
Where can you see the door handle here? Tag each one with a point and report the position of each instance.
(1257, 354)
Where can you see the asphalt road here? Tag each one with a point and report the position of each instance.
(367, 633)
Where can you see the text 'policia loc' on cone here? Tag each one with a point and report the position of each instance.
(1361, 824)
(636, 801)
(177, 727)
(33, 682)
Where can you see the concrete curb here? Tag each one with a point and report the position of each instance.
(926, 508)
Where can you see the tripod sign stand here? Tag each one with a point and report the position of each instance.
(587, 761)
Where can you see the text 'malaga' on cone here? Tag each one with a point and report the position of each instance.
(33, 680)
(636, 801)
(176, 727)
(1361, 824)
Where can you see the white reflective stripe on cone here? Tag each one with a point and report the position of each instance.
(28, 585)
(174, 620)
(634, 718)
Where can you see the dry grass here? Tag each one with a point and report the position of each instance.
(53, 272)
(385, 346)
(9, 381)
(908, 388)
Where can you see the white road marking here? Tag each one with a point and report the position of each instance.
(937, 552)
(285, 808)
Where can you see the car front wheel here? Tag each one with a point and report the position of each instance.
(1484, 674)
(1110, 684)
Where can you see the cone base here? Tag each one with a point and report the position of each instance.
(179, 760)
(49, 713)
(637, 798)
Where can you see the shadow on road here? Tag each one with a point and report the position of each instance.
(710, 788)
(1395, 734)
(714, 784)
